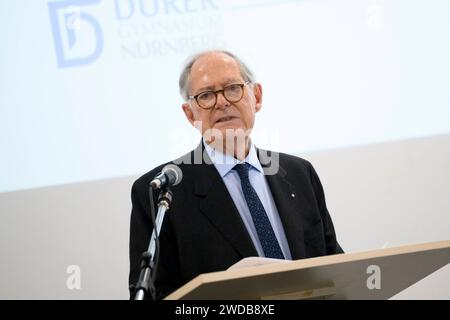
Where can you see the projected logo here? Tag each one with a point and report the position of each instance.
(77, 34)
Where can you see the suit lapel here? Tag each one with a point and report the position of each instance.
(289, 207)
(218, 207)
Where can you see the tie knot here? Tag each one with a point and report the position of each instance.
(242, 169)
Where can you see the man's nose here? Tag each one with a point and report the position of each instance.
(221, 101)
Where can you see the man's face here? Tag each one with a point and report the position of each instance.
(214, 71)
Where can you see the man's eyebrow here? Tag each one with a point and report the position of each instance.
(208, 88)
(223, 83)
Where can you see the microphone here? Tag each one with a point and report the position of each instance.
(170, 175)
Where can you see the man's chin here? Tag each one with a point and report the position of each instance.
(227, 128)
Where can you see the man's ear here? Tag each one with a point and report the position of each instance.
(257, 91)
(188, 112)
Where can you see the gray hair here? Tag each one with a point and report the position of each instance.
(184, 76)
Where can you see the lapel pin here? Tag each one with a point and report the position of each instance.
(292, 195)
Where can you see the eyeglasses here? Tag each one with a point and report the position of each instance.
(232, 93)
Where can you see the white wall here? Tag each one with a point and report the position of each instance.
(379, 195)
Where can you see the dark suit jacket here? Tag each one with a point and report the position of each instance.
(203, 231)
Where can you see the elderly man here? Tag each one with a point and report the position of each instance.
(236, 201)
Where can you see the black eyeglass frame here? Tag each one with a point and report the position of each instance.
(220, 91)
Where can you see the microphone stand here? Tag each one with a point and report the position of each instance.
(149, 263)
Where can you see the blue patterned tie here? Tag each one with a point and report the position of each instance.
(263, 227)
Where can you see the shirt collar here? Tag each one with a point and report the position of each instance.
(224, 163)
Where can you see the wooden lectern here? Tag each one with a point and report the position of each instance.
(378, 274)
